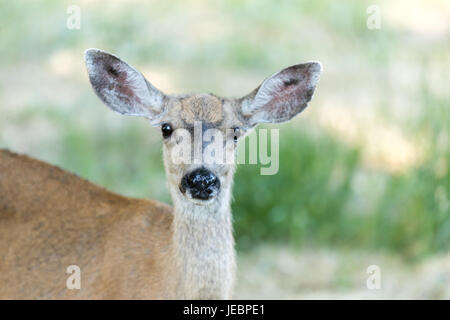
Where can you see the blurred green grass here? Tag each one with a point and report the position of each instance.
(324, 194)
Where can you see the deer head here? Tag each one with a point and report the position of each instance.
(200, 131)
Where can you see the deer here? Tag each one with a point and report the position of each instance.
(130, 248)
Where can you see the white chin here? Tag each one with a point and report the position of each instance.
(198, 201)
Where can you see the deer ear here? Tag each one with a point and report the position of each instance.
(121, 87)
(281, 96)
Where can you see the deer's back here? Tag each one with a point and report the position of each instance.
(51, 219)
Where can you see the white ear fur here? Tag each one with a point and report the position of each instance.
(121, 87)
(283, 95)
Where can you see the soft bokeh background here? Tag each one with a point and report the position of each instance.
(364, 171)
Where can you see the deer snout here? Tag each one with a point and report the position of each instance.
(201, 183)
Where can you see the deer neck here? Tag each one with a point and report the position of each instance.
(204, 247)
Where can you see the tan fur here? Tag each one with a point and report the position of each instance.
(203, 239)
(201, 107)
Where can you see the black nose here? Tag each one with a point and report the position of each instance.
(201, 183)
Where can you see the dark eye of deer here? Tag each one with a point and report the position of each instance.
(166, 129)
(236, 134)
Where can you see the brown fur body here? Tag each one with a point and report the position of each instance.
(50, 219)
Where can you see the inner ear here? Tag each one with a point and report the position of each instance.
(283, 95)
(121, 87)
(291, 82)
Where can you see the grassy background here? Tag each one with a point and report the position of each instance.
(365, 167)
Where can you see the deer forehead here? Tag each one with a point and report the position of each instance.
(199, 107)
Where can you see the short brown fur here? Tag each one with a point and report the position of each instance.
(50, 219)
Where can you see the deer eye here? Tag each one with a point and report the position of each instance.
(237, 132)
(166, 129)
